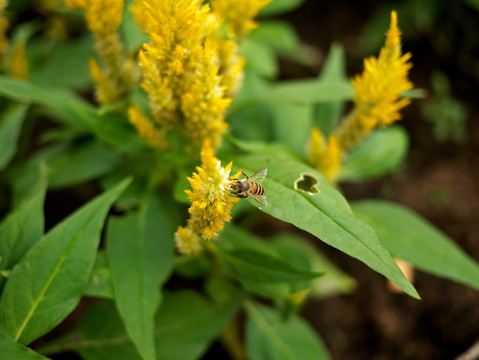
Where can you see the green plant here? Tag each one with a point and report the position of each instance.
(138, 149)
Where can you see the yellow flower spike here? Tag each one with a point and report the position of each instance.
(119, 74)
(146, 129)
(377, 90)
(105, 91)
(211, 202)
(325, 156)
(239, 14)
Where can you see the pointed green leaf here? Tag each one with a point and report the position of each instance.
(24, 225)
(382, 152)
(412, 238)
(68, 107)
(11, 350)
(269, 338)
(185, 325)
(47, 283)
(140, 252)
(328, 114)
(257, 266)
(10, 126)
(309, 92)
(325, 214)
(81, 163)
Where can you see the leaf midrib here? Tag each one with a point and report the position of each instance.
(47, 285)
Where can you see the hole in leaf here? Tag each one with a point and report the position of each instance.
(307, 183)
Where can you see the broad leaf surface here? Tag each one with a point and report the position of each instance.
(257, 266)
(24, 225)
(100, 284)
(412, 238)
(269, 338)
(185, 326)
(75, 112)
(140, 253)
(326, 214)
(82, 163)
(10, 125)
(48, 282)
(382, 152)
(11, 350)
(329, 114)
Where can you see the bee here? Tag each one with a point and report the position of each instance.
(243, 188)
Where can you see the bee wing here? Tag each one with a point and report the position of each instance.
(261, 199)
(259, 175)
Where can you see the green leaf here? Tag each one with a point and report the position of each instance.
(23, 226)
(277, 7)
(140, 253)
(12, 350)
(255, 266)
(75, 112)
(329, 114)
(260, 57)
(326, 214)
(309, 92)
(382, 152)
(277, 34)
(132, 36)
(65, 64)
(185, 325)
(100, 284)
(293, 116)
(282, 38)
(410, 237)
(269, 338)
(81, 163)
(10, 127)
(47, 283)
(333, 282)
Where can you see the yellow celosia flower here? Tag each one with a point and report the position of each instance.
(239, 14)
(377, 90)
(176, 28)
(203, 104)
(326, 157)
(146, 129)
(211, 202)
(232, 64)
(103, 16)
(183, 67)
(119, 74)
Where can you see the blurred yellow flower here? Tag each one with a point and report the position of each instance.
(239, 14)
(377, 90)
(103, 16)
(118, 75)
(325, 156)
(146, 129)
(211, 202)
